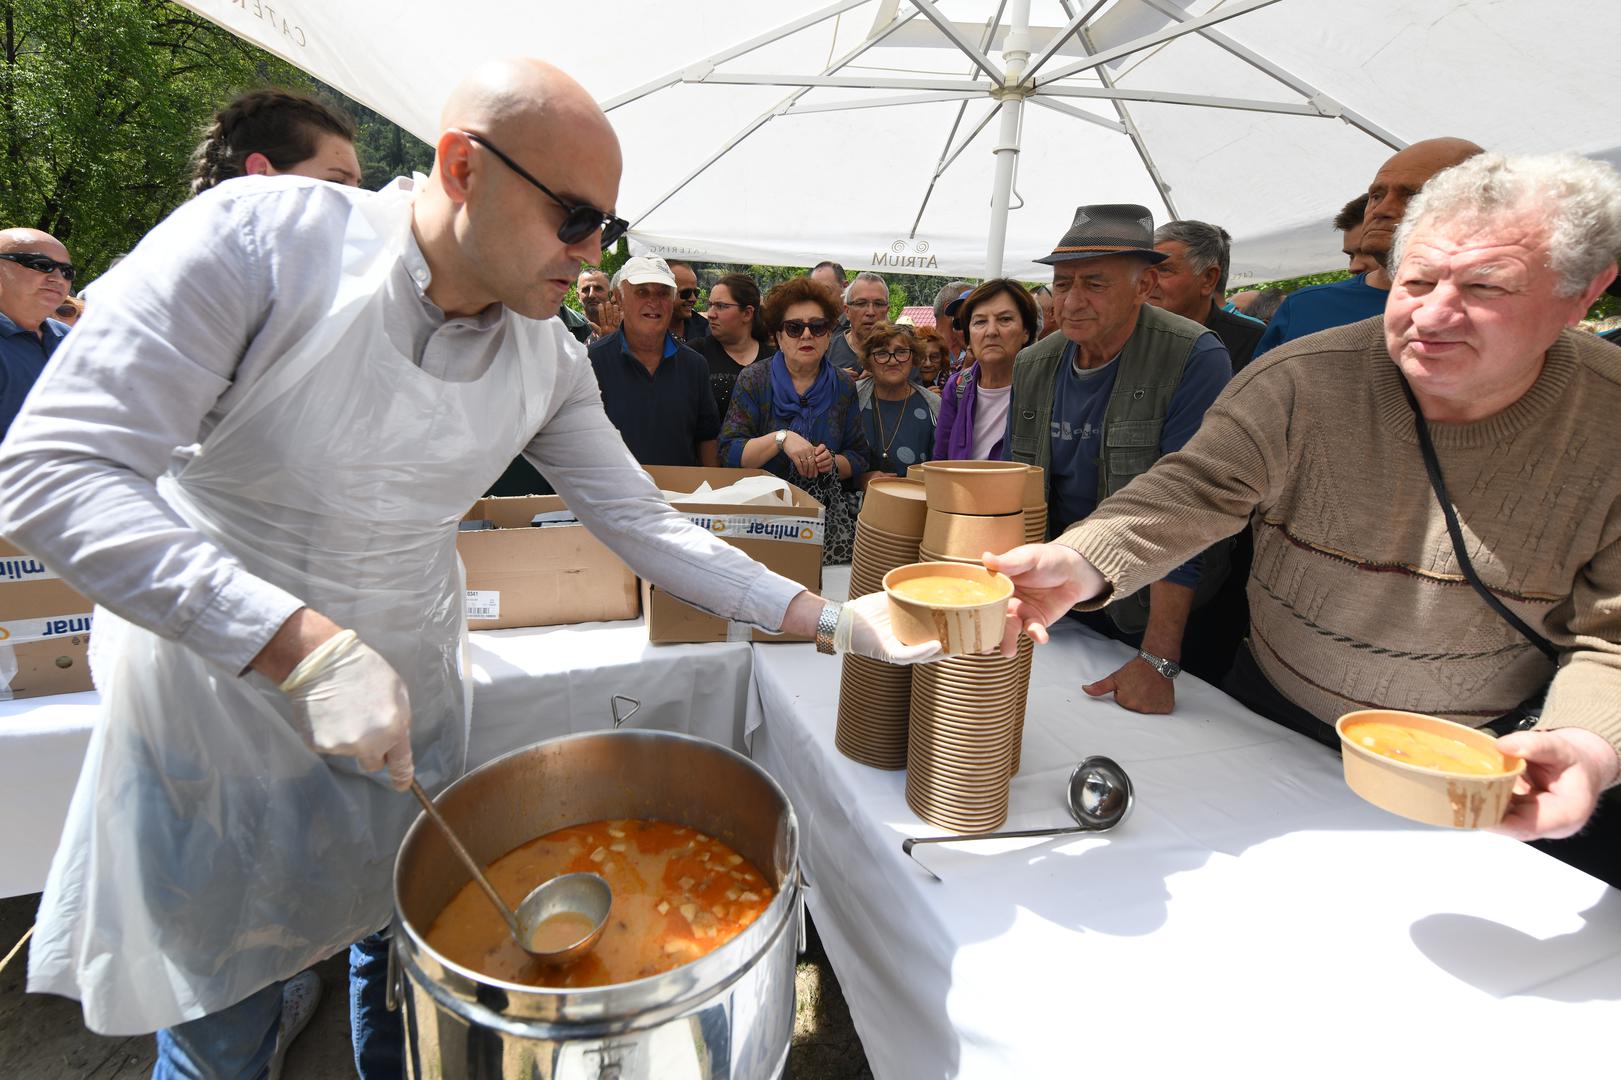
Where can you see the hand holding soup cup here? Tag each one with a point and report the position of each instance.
(1566, 770)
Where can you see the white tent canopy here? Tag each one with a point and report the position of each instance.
(908, 134)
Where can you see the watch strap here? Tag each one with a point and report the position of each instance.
(827, 623)
(1168, 668)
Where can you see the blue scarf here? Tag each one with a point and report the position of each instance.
(806, 415)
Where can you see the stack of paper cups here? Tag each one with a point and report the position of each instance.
(874, 697)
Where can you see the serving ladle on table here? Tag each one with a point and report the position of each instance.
(1099, 798)
(584, 895)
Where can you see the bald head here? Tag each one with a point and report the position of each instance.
(1398, 180)
(490, 234)
(29, 295)
(517, 100)
(32, 240)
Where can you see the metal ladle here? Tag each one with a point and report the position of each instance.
(1099, 797)
(583, 894)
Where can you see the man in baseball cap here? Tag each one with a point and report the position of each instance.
(655, 389)
(1121, 384)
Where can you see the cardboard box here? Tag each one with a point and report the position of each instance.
(44, 630)
(522, 575)
(788, 539)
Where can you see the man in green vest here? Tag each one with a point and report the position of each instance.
(1098, 403)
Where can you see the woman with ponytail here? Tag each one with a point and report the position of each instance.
(275, 132)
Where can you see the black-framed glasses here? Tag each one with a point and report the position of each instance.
(580, 220)
(893, 356)
(795, 328)
(687, 294)
(42, 264)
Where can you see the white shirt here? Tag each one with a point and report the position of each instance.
(203, 307)
(990, 418)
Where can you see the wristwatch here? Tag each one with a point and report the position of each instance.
(782, 436)
(1168, 668)
(826, 623)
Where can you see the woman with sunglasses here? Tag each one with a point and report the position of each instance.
(737, 335)
(999, 318)
(897, 414)
(796, 415)
(274, 132)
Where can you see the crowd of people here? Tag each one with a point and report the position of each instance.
(1393, 490)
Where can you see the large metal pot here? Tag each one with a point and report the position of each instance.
(726, 1016)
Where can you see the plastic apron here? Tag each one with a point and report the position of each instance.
(208, 851)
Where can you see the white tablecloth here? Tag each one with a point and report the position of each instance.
(529, 684)
(1253, 917)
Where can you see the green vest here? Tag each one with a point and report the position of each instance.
(1151, 366)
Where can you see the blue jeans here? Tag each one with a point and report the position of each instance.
(232, 1044)
(237, 1043)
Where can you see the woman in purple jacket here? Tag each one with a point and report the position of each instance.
(999, 318)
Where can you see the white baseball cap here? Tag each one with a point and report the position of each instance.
(643, 270)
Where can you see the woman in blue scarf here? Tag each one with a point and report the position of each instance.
(796, 415)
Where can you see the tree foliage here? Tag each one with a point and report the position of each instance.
(103, 101)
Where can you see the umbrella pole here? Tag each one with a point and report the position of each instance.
(1015, 54)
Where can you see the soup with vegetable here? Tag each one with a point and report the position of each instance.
(677, 895)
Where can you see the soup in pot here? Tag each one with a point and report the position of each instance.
(1425, 748)
(677, 895)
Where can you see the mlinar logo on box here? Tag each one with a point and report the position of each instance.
(23, 631)
(778, 530)
(799, 530)
(23, 568)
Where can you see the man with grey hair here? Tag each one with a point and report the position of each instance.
(1193, 280)
(866, 305)
(1471, 408)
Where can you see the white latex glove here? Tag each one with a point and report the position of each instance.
(348, 700)
(864, 629)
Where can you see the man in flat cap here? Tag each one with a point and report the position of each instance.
(1095, 405)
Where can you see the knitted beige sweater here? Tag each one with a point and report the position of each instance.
(1355, 597)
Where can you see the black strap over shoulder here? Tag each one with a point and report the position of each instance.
(1422, 428)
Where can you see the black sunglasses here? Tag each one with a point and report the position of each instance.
(795, 328)
(579, 220)
(43, 264)
(687, 294)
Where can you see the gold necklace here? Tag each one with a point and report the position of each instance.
(900, 422)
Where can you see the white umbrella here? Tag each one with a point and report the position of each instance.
(930, 136)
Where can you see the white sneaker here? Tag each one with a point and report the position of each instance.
(299, 997)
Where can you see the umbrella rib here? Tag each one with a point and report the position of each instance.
(946, 155)
(1116, 126)
(796, 109)
(946, 27)
(1075, 23)
(1148, 41)
(850, 82)
(787, 29)
(1327, 106)
(1138, 143)
(951, 156)
(782, 106)
(1112, 92)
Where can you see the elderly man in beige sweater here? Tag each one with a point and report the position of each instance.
(1356, 597)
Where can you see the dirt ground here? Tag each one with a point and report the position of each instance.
(43, 1038)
